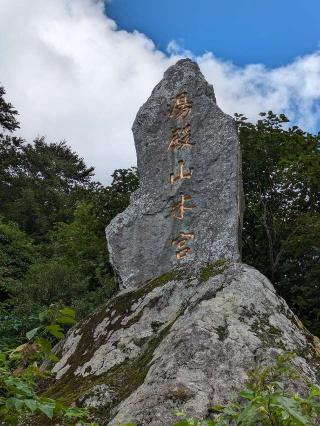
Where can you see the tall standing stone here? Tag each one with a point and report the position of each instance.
(188, 205)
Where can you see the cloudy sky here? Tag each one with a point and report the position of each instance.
(78, 70)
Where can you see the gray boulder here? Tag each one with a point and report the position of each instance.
(183, 341)
(188, 207)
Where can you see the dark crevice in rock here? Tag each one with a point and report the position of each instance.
(222, 331)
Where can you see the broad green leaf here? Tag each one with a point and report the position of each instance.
(10, 403)
(19, 404)
(42, 315)
(55, 330)
(30, 335)
(250, 415)
(19, 387)
(315, 391)
(46, 409)
(68, 312)
(66, 320)
(293, 409)
(75, 412)
(14, 403)
(31, 404)
(44, 344)
(248, 394)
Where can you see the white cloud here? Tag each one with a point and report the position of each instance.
(293, 89)
(72, 75)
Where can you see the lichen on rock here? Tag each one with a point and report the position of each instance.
(208, 335)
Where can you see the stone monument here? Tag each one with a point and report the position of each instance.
(190, 320)
(188, 206)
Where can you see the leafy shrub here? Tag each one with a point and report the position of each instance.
(20, 371)
(17, 253)
(48, 282)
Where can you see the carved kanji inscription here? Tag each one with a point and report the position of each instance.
(181, 106)
(182, 174)
(181, 243)
(180, 137)
(179, 208)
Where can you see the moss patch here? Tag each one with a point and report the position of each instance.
(180, 394)
(269, 334)
(212, 269)
(123, 378)
(115, 310)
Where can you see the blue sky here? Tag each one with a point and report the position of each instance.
(77, 70)
(272, 32)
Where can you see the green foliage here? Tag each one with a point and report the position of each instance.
(14, 324)
(8, 114)
(82, 245)
(17, 253)
(45, 282)
(111, 200)
(74, 267)
(266, 401)
(58, 281)
(20, 371)
(52, 221)
(282, 217)
(40, 184)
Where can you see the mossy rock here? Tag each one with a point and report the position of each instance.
(125, 377)
(212, 269)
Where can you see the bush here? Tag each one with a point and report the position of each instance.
(48, 282)
(20, 372)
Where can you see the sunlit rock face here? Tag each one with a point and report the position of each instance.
(188, 206)
(184, 341)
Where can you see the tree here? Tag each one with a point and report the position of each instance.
(8, 120)
(75, 268)
(40, 183)
(82, 242)
(282, 217)
(17, 254)
(114, 199)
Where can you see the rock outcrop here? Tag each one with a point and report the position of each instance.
(186, 339)
(188, 207)
(183, 341)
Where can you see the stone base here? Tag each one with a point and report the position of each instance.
(184, 341)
